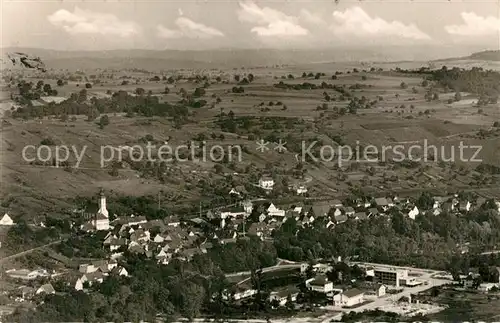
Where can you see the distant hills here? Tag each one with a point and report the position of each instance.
(487, 55)
(170, 59)
(230, 58)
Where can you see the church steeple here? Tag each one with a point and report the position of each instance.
(102, 204)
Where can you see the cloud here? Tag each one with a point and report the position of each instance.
(356, 22)
(311, 18)
(188, 28)
(271, 22)
(475, 25)
(88, 22)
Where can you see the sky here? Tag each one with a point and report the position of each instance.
(209, 24)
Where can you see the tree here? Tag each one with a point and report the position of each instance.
(167, 90)
(403, 85)
(218, 168)
(82, 96)
(192, 296)
(250, 77)
(237, 77)
(104, 121)
(140, 91)
(60, 82)
(458, 96)
(88, 85)
(199, 92)
(47, 88)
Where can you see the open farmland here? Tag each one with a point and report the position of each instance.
(302, 106)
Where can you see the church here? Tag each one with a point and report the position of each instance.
(101, 218)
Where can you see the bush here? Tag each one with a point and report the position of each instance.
(104, 121)
(47, 142)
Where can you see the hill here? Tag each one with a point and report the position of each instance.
(488, 55)
(217, 58)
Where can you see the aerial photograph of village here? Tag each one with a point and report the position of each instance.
(264, 161)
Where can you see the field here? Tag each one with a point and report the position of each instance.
(399, 116)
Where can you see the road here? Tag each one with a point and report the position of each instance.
(22, 253)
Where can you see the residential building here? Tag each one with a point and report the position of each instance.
(46, 289)
(281, 296)
(232, 212)
(320, 210)
(272, 210)
(266, 182)
(301, 190)
(349, 211)
(412, 214)
(6, 220)
(349, 298)
(320, 284)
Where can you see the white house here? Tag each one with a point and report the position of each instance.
(247, 207)
(320, 284)
(349, 298)
(121, 271)
(46, 289)
(266, 182)
(301, 190)
(412, 214)
(87, 268)
(282, 296)
(234, 192)
(465, 206)
(272, 210)
(158, 238)
(6, 220)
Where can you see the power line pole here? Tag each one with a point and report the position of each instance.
(159, 202)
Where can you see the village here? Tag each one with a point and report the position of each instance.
(375, 286)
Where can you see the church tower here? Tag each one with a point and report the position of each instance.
(102, 204)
